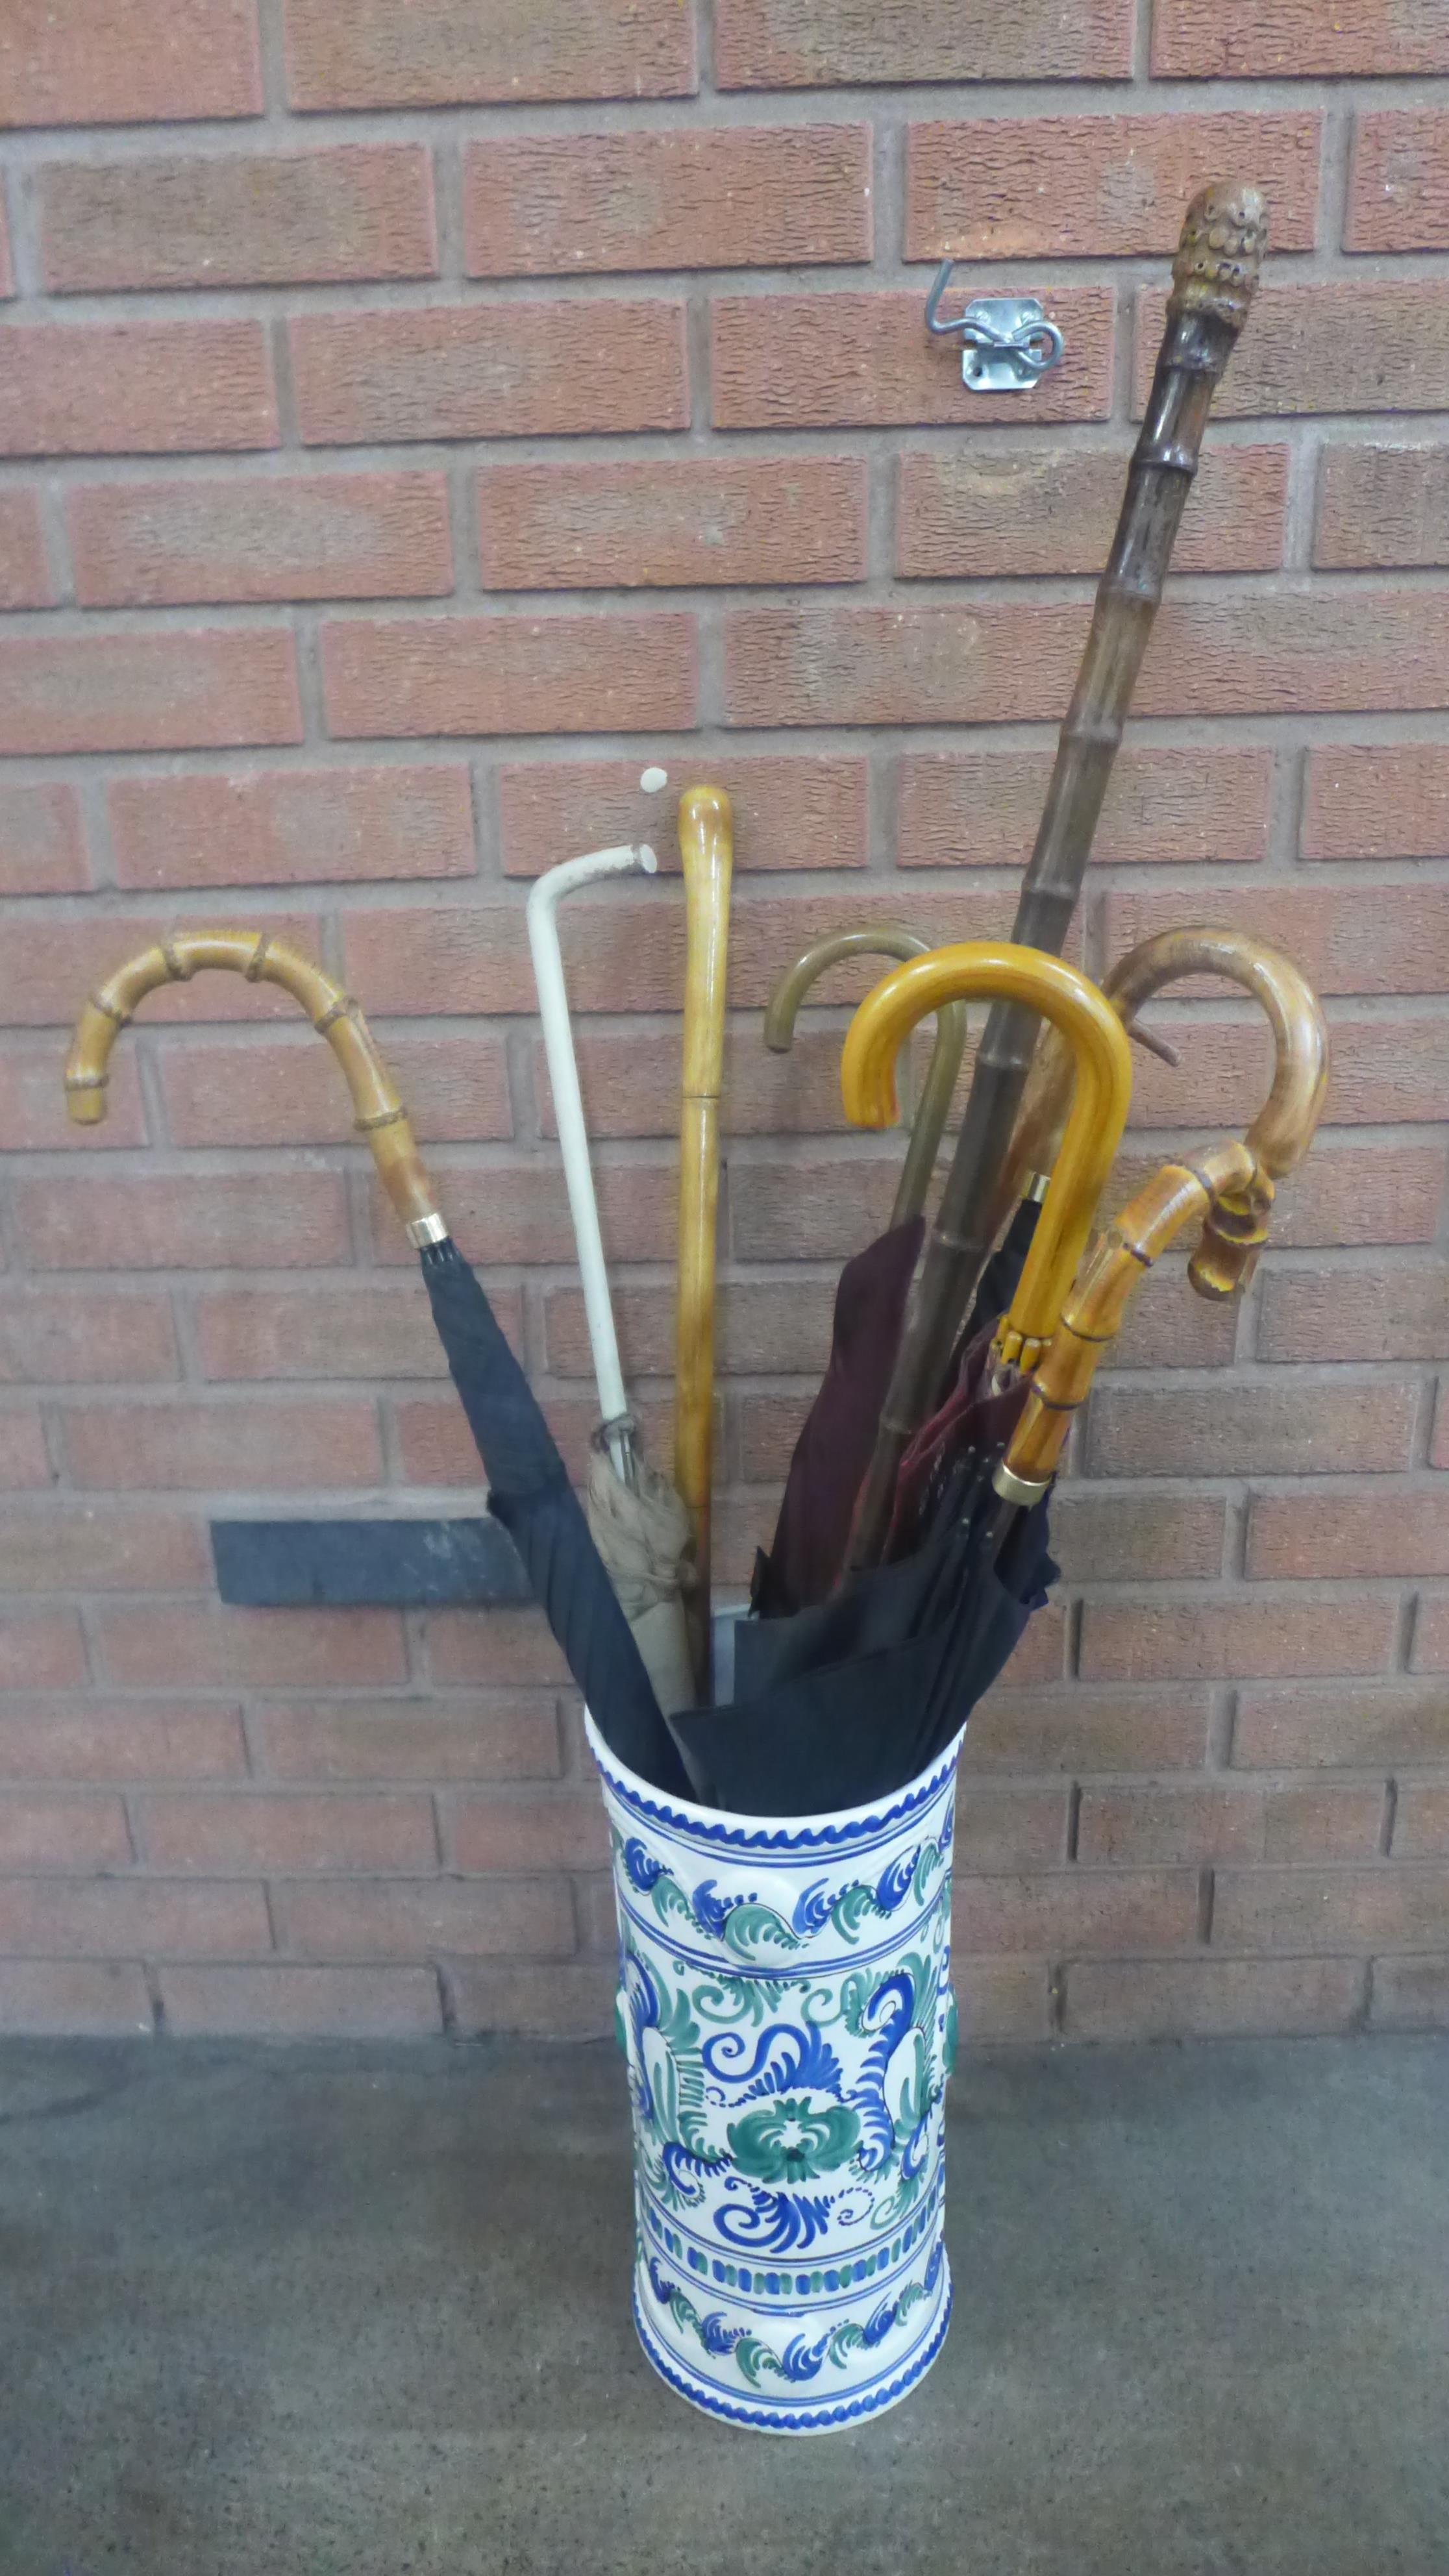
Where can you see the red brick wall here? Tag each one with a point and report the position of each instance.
(414, 418)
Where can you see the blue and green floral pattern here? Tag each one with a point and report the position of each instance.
(785, 2008)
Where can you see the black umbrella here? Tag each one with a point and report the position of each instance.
(529, 1489)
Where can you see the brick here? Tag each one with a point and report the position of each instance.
(1439, 1444)
(1296, 40)
(814, 44)
(237, 219)
(1010, 1829)
(1383, 505)
(860, 360)
(1106, 186)
(147, 691)
(760, 1325)
(1078, 1910)
(630, 1086)
(516, 1833)
(403, 1919)
(1210, 1998)
(43, 1650)
(1326, 346)
(1376, 800)
(357, 1330)
(251, 1447)
(252, 1834)
(48, 964)
(523, 1216)
(33, 1115)
(259, 537)
(1293, 653)
(1367, 1727)
(136, 1917)
(975, 512)
(499, 1648)
(471, 675)
(1397, 1310)
(287, 1091)
(161, 1221)
(441, 53)
(1388, 1068)
(489, 371)
(514, 1738)
(73, 1998)
(1136, 1538)
(1361, 1194)
(791, 810)
(128, 61)
(1410, 1994)
(7, 265)
(184, 1648)
(288, 826)
(981, 808)
(42, 839)
(1345, 940)
(867, 665)
(1385, 1907)
(1254, 1428)
(1002, 1999)
(435, 1446)
(82, 1549)
(692, 520)
(1242, 1637)
(574, 2000)
(1313, 1534)
(23, 1458)
(135, 388)
(1154, 1826)
(38, 1833)
(25, 580)
(122, 1741)
(1421, 1820)
(1398, 198)
(732, 196)
(1431, 1637)
(299, 2003)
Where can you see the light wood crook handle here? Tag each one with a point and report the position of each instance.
(1092, 1316)
(380, 1115)
(706, 849)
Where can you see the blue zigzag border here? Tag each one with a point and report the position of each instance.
(820, 2419)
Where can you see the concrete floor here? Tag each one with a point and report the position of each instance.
(361, 2311)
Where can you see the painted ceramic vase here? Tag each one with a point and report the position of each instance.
(785, 2007)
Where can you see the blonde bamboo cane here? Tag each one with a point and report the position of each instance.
(380, 1116)
(706, 849)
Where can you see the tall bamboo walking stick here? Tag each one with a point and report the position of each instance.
(706, 850)
(1213, 277)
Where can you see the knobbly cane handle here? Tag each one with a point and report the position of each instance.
(1279, 1136)
(381, 1118)
(706, 849)
(1094, 1127)
(1092, 1315)
(882, 939)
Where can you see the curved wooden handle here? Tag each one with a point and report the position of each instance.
(1092, 1315)
(1099, 1103)
(882, 939)
(380, 1116)
(706, 850)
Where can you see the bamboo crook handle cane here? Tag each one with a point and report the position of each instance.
(1103, 1063)
(706, 849)
(1213, 277)
(882, 939)
(1279, 1136)
(381, 1118)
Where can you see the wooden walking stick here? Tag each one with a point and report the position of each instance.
(882, 939)
(1213, 278)
(706, 849)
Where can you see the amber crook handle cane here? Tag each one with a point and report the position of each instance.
(706, 850)
(1283, 1129)
(882, 939)
(994, 968)
(1092, 1315)
(381, 1118)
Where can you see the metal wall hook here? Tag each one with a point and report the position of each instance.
(1007, 342)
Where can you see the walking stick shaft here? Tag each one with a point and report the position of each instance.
(1213, 277)
(706, 849)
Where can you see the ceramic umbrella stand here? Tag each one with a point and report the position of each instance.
(786, 2010)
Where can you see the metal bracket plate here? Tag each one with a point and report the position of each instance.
(1007, 342)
